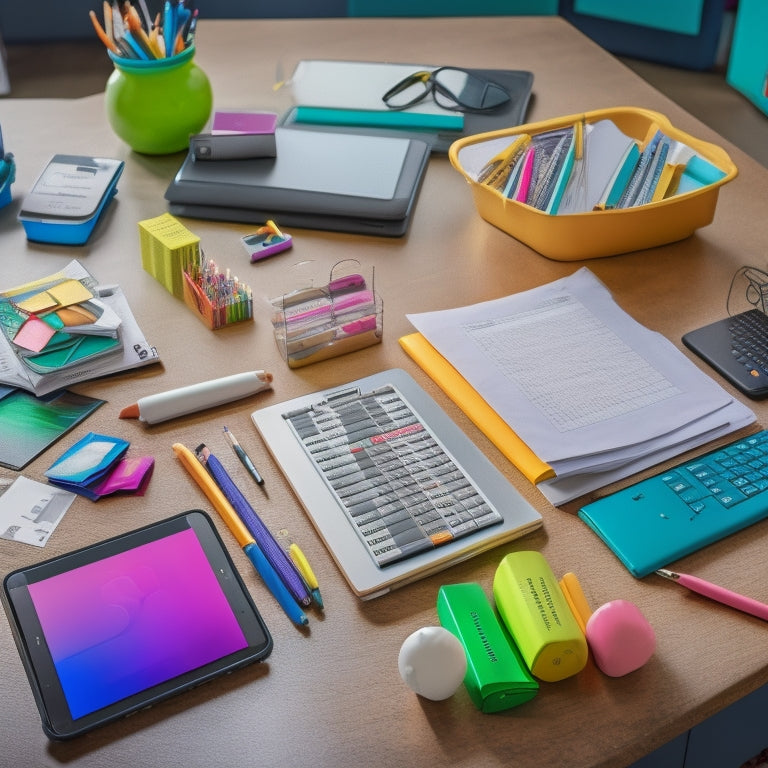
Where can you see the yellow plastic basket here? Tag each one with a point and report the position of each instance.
(593, 234)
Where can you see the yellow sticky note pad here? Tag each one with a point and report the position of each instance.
(62, 295)
(70, 292)
(40, 302)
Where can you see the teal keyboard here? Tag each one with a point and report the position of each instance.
(658, 520)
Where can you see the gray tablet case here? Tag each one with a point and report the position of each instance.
(518, 84)
(318, 180)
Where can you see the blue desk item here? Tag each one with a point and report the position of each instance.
(748, 61)
(50, 213)
(679, 34)
(665, 517)
(7, 177)
(7, 173)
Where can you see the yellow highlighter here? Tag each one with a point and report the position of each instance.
(497, 170)
(535, 611)
(304, 568)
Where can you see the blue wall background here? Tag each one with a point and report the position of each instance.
(23, 21)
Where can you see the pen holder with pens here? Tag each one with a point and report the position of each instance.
(155, 105)
(172, 255)
(317, 322)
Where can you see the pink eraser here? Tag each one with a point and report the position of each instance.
(620, 638)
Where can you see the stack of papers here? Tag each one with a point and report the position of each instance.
(65, 328)
(572, 389)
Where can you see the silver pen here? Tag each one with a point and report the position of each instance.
(244, 458)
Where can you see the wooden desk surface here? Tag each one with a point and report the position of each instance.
(332, 696)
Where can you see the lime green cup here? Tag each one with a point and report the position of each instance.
(155, 105)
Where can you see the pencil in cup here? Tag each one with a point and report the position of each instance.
(274, 553)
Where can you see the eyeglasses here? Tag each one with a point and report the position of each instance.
(450, 87)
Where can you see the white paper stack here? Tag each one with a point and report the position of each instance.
(593, 393)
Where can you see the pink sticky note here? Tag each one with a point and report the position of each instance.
(130, 475)
(34, 334)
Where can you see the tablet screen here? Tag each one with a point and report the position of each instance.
(130, 621)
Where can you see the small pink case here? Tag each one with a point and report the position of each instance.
(130, 475)
(620, 637)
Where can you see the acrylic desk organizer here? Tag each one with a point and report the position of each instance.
(314, 322)
(172, 255)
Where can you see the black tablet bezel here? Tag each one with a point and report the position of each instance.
(54, 712)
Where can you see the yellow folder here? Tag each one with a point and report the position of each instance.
(482, 415)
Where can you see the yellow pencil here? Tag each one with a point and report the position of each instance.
(214, 494)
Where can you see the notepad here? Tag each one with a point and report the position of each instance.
(595, 395)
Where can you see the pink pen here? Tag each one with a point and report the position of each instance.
(346, 283)
(367, 323)
(525, 179)
(336, 306)
(719, 594)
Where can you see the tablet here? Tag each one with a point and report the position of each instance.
(341, 182)
(125, 623)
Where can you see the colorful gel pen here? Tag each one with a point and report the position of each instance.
(719, 594)
(244, 458)
(241, 534)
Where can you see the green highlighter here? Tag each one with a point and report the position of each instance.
(497, 677)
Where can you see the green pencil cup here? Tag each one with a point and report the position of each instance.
(155, 105)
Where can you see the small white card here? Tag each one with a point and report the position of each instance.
(30, 511)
